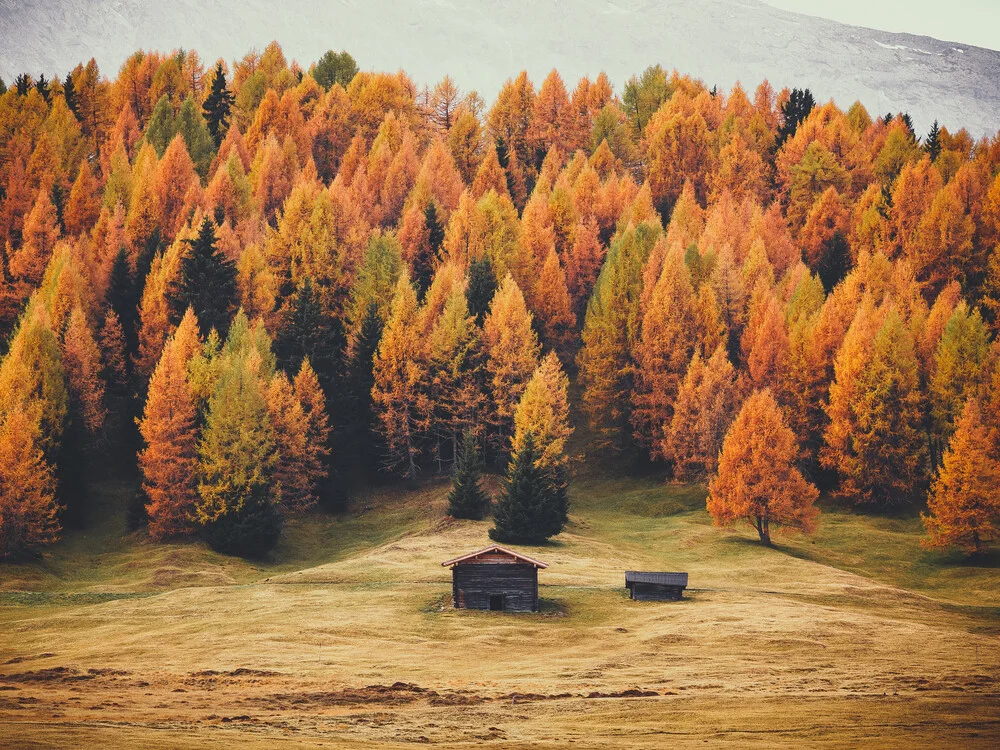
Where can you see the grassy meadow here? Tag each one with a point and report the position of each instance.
(346, 635)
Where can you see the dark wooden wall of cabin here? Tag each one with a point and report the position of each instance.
(655, 592)
(473, 583)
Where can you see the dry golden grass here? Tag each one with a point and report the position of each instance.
(348, 639)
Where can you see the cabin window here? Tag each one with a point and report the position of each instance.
(496, 602)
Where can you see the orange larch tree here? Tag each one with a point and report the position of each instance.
(758, 479)
(511, 349)
(663, 351)
(964, 507)
(169, 461)
(29, 514)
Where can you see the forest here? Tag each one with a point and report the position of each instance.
(246, 283)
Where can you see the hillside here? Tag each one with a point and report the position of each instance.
(720, 41)
(346, 636)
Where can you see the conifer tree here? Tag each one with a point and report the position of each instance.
(200, 145)
(169, 461)
(481, 288)
(467, 498)
(69, 93)
(511, 349)
(81, 361)
(238, 492)
(758, 480)
(964, 507)
(294, 469)
(553, 306)
(957, 370)
(217, 105)
(162, 127)
(29, 515)
(32, 377)
(610, 331)
(310, 394)
(41, 231)
(705, 406)
(207, 282)
(933, 143)
(543, 413)
(307, 333)
(454, 372)
(533, 503)
(84, 205)
(874, 441)
(663, 351)
(401, 405)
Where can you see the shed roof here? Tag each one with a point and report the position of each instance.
(494, 548)
(664, 579)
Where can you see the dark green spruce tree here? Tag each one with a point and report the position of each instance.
(358, 381)
(207, 283)
(800, 103)
(482, 287)
(533, 503)
(42, 87)
(423, 270)
(124, 300)
(306, 331)
(933, 143)
(217, 105)
(69, 93)
(22, 84)
(467, 498)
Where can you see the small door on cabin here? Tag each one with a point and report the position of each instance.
(496, 602)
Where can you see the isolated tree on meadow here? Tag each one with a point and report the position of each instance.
(758, 480)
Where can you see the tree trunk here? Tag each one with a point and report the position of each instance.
(763, 530)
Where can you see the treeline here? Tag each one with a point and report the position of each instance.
(275, 272)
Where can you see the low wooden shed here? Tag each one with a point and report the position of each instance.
(655, 586)
(495, 578)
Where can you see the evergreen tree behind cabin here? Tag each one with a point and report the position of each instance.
(217, 105)
(533, 503)
(467, 498)
(207, 283)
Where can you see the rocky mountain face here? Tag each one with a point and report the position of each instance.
(483, 42)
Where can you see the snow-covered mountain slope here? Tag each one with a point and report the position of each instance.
(483, 42)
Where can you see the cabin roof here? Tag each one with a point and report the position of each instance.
(494, 548)
(664, 579)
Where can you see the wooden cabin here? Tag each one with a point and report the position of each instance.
(655, 586)
(495, 578)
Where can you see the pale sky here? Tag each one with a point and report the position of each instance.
(975, 22)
